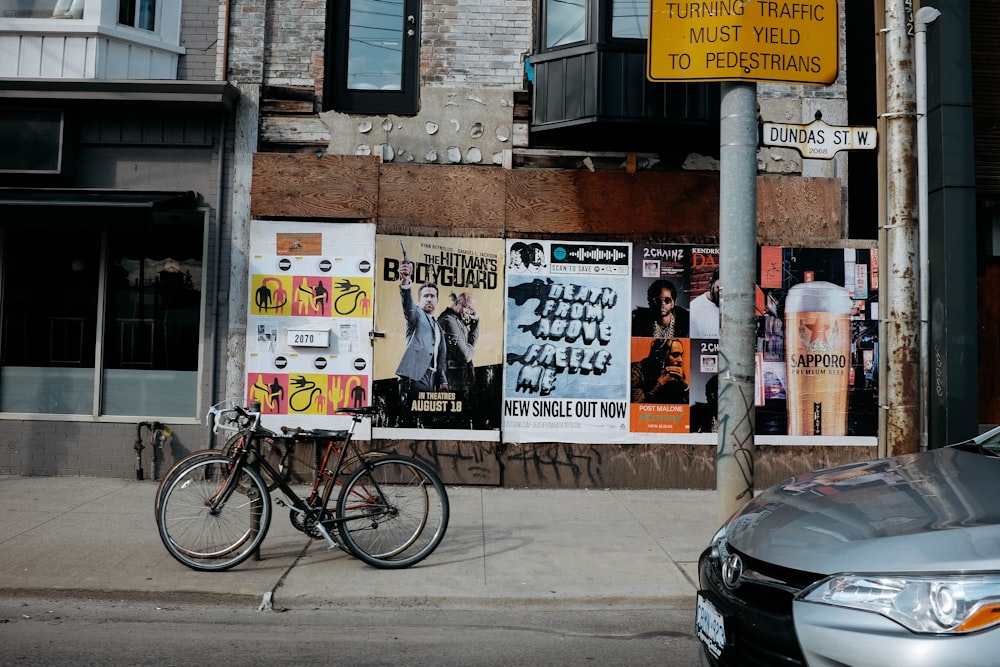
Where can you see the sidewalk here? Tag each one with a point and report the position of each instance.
(95, 537)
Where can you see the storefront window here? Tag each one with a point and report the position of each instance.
(152, 323)
(143, 331)
(49, 321)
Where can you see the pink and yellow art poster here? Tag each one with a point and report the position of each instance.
(310, 304)
(311, 296)
(270, 390)
(305, 393)
(271, 295)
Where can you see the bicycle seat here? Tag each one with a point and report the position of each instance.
(359, 410)
(326, 433)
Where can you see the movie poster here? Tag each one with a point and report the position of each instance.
(817, 345)
(439, 337)
(308, 321)
(567, 342)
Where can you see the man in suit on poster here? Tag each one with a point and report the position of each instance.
(423, 365)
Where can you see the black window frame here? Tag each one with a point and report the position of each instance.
(338, 97)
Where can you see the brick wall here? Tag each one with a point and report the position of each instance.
(295, 37)
(464, 43)
(200, 38)
(247, 23)
(475, 42)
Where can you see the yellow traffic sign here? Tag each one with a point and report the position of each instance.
(748, 40)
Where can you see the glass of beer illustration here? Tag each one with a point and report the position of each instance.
(817, 357)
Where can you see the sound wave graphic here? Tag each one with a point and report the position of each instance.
(580, 254)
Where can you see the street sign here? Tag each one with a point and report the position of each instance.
(819, 140)
(749, 40)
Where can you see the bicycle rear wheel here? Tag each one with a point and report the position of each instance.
(392, 512)
(209, 522)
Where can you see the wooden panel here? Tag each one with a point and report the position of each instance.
(304, 129)
(456, 462)
(796, 210)
(301, 185)
(441, 200)
(560, 465)
(579, 466)
(646, 204)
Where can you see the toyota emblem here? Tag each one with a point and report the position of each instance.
(732, 570)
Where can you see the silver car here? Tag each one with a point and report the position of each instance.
(887, 562)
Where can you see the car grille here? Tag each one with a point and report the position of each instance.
(758, 614)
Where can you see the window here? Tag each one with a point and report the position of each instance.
(372, 57)
(565, 22)
(102, 324)
(630, 19)
(41, 9)
(137, 13)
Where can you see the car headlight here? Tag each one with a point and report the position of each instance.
(942, 605)
(718, 544)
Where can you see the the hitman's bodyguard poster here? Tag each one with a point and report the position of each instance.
(567, 358)
(438, 337)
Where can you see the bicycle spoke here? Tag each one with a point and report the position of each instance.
(205, 531)
(393, 512)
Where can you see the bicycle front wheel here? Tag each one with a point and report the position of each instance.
(210, 522)
(392, 512)
(175, 469)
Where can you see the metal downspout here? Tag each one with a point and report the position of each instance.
(925, 16)
(213, 356)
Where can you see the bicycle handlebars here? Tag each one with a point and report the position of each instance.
(238, 418)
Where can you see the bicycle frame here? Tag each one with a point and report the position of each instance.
(312, 508)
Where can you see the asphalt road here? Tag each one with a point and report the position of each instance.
(92, 631)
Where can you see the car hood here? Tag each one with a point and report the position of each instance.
(937, 510)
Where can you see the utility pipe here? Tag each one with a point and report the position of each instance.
(925, 16)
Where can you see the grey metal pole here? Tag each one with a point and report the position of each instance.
(737, 273)
(899, 291)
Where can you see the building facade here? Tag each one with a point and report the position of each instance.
(114, 189)
(324, 134)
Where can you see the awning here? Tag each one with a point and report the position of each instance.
(106, 199)
(221, 94)
(55, 209)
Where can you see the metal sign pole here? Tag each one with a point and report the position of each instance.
(738, 243)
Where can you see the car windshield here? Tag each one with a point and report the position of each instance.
(989, 441)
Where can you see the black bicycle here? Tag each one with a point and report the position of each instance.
(213, 508)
